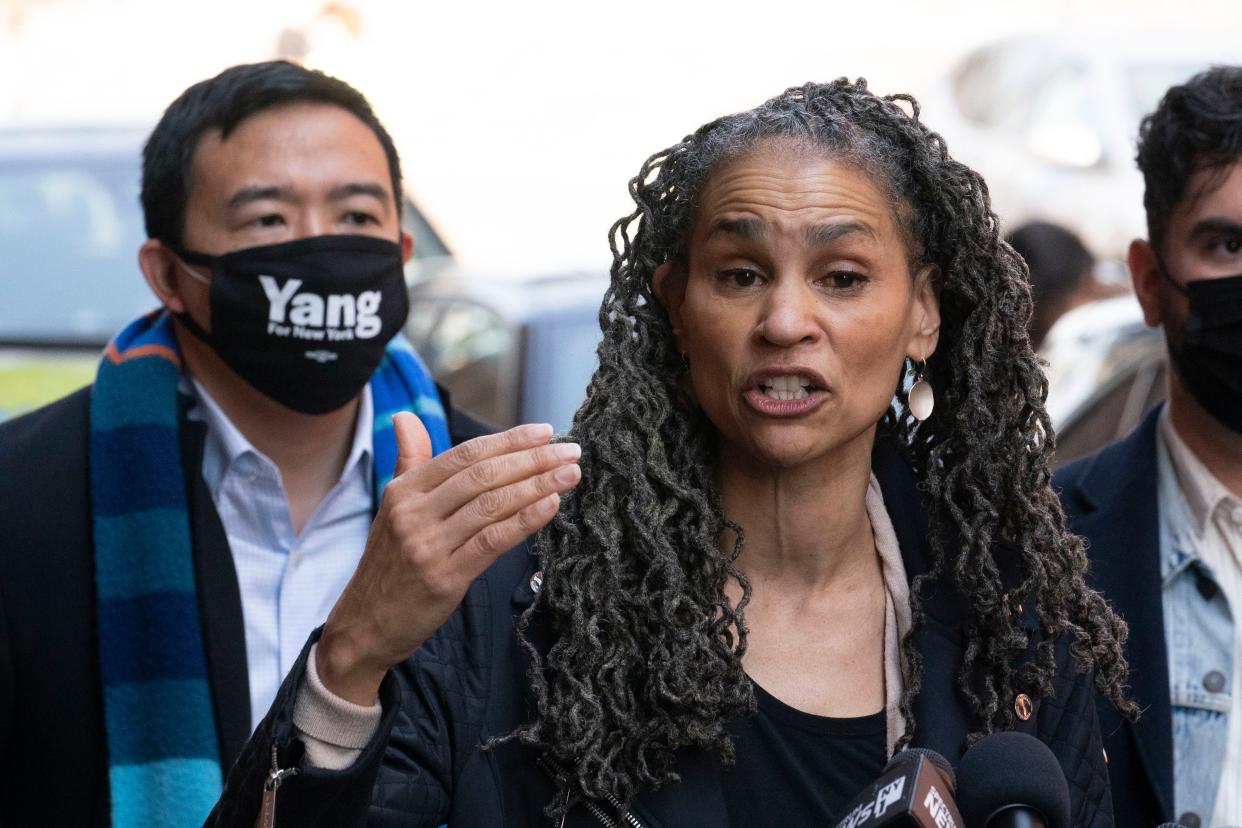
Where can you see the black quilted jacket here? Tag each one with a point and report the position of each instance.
(425, 767)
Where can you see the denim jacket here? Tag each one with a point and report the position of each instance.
(1199, 630)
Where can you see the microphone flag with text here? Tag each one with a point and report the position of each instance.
(916, 788)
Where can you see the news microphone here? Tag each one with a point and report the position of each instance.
(915, 789)
(1012, 780)
(1170, 825)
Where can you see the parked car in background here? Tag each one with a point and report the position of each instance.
(70, 228)
(1051, 121)
(510, 349)
(1106, 369)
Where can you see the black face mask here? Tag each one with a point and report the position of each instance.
(1209, 357)
(304, 322)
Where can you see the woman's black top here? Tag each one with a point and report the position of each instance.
(795, 768)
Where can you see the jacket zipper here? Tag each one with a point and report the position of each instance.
(599, 814)
(276, 777)
(629, 819)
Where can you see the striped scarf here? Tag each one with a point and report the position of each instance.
(163, 756)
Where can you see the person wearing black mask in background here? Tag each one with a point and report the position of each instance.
(173, 533)
(1162, 508)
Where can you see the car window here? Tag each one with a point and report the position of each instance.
(472, 351)
(974, 88)
(1014, 86)
(993, 86)
(70, 234)
(560, 360)
(1063, 124)
(1061, 95)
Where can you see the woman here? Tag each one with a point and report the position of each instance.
(779, 567)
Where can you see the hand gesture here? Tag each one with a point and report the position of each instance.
(442, 522)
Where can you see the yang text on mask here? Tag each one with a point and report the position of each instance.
(336, 317)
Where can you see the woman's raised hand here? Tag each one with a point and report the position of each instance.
(442, 521)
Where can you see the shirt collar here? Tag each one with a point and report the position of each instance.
(225, 444)
(360, 453)
(1201, 492)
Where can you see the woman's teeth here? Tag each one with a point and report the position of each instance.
(786, 388)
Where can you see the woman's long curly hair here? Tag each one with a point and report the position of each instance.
(647, 652)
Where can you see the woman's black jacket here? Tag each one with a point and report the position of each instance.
(425, 767)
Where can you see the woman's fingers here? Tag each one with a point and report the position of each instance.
(497, 472)
(497, 506)
(434, 473)
(493, 540)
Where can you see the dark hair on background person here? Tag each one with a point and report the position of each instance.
(1197, 126)
(648, 651)
(222, 103)
(1059, 264)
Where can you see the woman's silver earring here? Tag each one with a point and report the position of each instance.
(920, 398)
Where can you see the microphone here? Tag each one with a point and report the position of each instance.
(1012, 780)
(915, 789)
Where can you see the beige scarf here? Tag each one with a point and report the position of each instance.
(897, 617)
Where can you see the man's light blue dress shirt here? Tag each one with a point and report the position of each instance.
(288, 581)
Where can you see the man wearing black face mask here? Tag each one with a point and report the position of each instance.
(1162, 509)
(172, 534)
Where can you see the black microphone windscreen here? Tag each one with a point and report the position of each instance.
(1007, 769)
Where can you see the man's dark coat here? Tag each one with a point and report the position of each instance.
(1110, 499)
(53, 758)
(468, 684)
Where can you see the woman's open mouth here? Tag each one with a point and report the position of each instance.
(787, 387)
(785, 395)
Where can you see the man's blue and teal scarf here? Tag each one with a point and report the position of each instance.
(163, 755)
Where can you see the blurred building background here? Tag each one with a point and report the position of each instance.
(520, 124)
